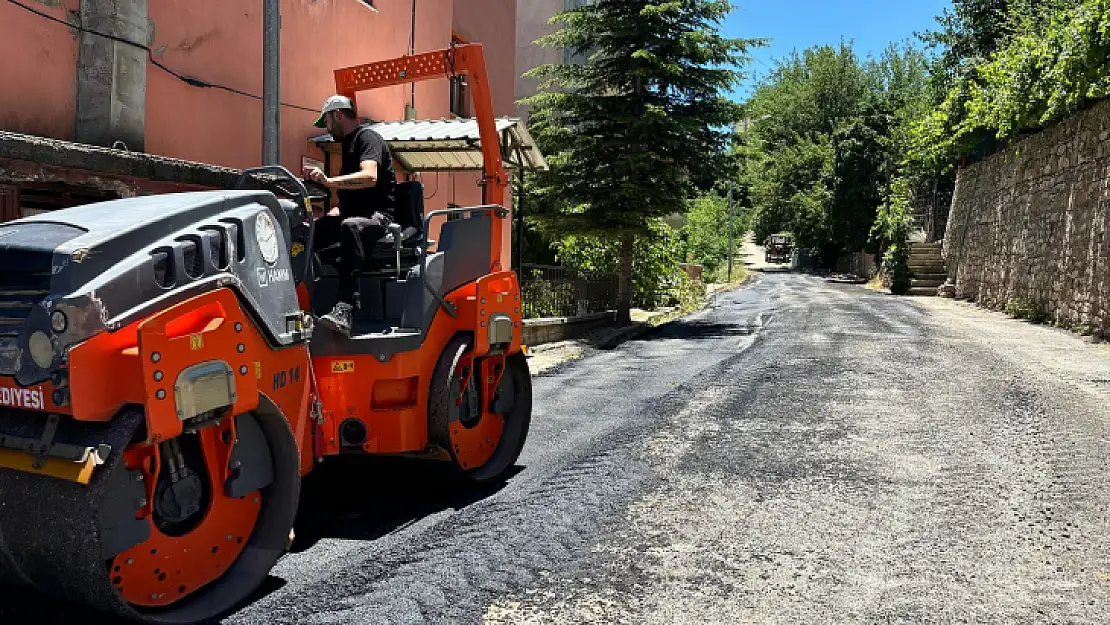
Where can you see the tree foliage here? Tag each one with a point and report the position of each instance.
(707, 228)
(634, 131)
(826, 132)
(969, 33)
(892, 227)
(1004, 67)
(655, 277)
(1051, 60)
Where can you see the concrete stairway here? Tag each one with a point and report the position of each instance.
(927, 271)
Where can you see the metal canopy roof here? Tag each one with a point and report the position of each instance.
(451, 144)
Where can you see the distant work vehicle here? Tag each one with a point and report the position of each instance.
(164, 388)
(777, 248)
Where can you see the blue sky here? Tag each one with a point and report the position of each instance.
(798, 24)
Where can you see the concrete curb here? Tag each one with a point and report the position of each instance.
(555, 321)
(543, 331)
(637, 329)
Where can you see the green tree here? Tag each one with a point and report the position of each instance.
(827, 136)
(656, 255)
(706, 230)
(634, 130)
(902, 77)
(969, 33)
(860, 172)
(1054, 59)
(820, 128)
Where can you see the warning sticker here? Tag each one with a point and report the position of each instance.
(342, 366)
(196, 341)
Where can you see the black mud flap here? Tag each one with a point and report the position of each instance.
(252, 465)
(125, 494)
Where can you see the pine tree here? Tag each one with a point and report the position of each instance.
(640, 124)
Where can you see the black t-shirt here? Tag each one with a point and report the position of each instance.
(366, 145)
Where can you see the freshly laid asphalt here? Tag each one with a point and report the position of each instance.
(801, 451)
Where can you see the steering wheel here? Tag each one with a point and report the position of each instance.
(274, 178)
(316, 191)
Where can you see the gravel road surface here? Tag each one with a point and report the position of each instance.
(799, 452)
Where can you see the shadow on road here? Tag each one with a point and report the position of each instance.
(358, 498)
(350, 498)
(683, 330)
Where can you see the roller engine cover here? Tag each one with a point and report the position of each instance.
(103, 266)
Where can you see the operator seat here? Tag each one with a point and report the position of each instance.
(401, 244)
(408, 229)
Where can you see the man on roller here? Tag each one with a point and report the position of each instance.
(365, 186)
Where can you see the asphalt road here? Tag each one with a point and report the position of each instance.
(799, 452)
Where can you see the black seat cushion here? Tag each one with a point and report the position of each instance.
(409, 214)
(409, 211)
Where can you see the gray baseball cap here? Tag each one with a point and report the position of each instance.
(334, 103)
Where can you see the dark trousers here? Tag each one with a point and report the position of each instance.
(356, 237)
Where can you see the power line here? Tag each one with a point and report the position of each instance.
(194, 82)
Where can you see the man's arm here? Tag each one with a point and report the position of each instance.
(366, 176)
(369, 148)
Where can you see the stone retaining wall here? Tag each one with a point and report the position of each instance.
(552, 329)
(1031, 223)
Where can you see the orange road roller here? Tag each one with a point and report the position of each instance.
(164, 388)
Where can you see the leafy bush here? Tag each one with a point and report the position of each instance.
(892, 231)
(1055, 59)
(1022, 308)
(706, 231)
(546, 298)
(896, 262)
(656, 277)
(686, 294)
(720, 274)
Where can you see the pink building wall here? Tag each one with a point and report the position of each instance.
(220, 42)
(38, 72)
(492, 23)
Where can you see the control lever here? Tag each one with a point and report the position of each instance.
(395, 229)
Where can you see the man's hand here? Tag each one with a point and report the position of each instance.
(315, 175)
(365, 177)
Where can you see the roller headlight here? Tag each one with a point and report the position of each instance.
(42, 349)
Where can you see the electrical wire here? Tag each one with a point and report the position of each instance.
(194, 82)
(436, 192)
